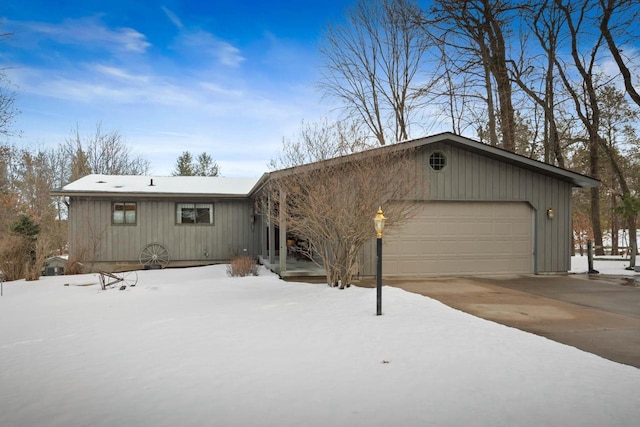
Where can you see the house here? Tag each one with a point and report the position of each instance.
(483, 210)
(123, 222)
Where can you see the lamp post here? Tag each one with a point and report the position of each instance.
(378, 222)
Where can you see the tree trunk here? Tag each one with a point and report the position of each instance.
(503, 83)
(633, 240)
(594, 169)
(595, 221)
(491, 109)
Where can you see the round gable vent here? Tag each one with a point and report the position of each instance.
(437, 161)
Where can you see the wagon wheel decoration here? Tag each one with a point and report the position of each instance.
(129, 278)
(154, 255)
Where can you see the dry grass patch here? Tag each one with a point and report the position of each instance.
(242, 266)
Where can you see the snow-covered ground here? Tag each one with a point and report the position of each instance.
(193, 347)
(608, 265)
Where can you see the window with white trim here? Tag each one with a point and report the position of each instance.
(124, 213)
(194, 213)
(437, 161)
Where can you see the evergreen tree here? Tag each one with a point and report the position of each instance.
(26, 227)
(206, 166)
(79, 164)
(184, 165)
(27, 230)
(203, 165)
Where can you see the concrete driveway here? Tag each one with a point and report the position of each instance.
(597, 314)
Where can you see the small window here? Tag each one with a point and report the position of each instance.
(194, 213)
(437, 161)
(124, 213)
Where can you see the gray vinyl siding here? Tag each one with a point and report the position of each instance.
(98, 240)
(469, 176)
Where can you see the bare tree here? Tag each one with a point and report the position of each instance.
(371, 63)
(102, 153)
(331, 203)
(321, 140)
(59, 175)
(8, 111)
(629, 11)
(453, 94)
(584, 94)
(476, 28)
(536, 76)
(617, 118)
(14, 254)
(85, 249)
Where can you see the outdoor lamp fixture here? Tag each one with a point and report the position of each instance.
(550, 213)
(378, 222)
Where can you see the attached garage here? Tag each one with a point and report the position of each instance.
(457, 238)
(480, 210)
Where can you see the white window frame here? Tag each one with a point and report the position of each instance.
(183, 208)
(127, 217)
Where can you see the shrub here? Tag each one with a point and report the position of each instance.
(34, 267)
(73, 266)
(23, 251)
(242, 266)
(14, 256)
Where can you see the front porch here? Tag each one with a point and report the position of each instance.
(294, 267)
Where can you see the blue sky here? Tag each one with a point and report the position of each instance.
(231, 78)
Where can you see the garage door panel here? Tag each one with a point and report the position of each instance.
(484, 228)
(449, 238)
(429, 249)
(521, 247)
(447, 247)
(467, 250)
(505, 230)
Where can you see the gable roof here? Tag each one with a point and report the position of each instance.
(203, 186)
(158, 186)
(576, 179)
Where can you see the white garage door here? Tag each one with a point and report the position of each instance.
(461, 238)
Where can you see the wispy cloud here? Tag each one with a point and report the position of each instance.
(195, 90)
(196, 42)
(219, 89)
(107, 85)
(118, 73)
(111, 93)
(206, 44)
(88, 32)
(172, 17)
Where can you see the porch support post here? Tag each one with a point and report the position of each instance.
(271, 232)
(283, 231)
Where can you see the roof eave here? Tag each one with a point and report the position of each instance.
(261, 182)
(574, 178)
(104, 194)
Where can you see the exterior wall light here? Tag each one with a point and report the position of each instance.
(551, 213)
